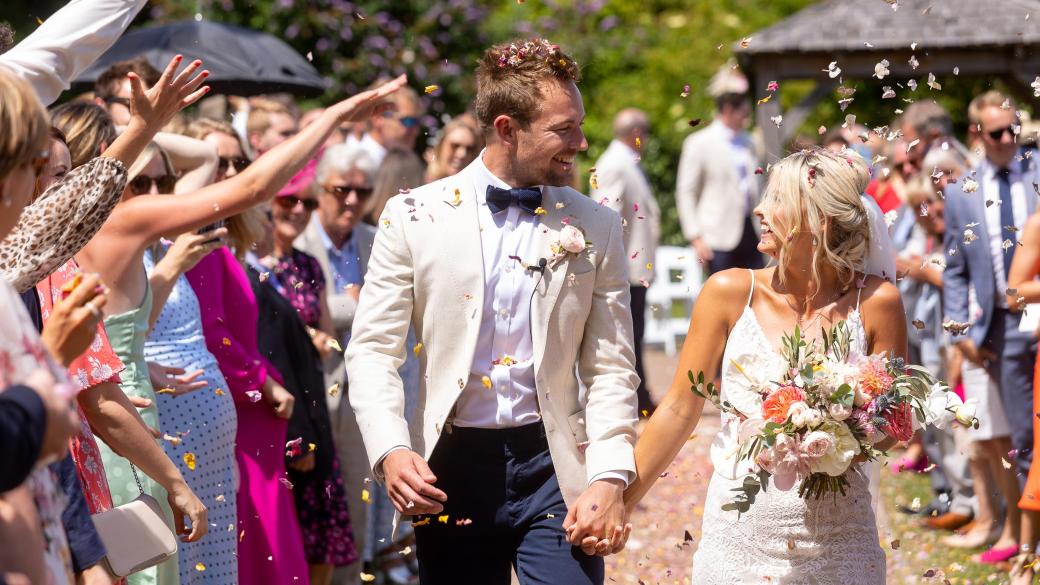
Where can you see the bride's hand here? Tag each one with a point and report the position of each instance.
(596, 520)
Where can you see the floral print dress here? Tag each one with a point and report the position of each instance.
(22, 353)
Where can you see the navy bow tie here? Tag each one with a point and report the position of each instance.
(529, 199)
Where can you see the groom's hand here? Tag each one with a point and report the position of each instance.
(409, 483)
(596, 521)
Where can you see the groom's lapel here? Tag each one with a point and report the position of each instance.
(551, 282)
(459, 255)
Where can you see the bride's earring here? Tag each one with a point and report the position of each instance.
(814, 241)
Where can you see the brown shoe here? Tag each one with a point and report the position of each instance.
(947, 521)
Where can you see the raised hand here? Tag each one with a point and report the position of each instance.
(190, 247)
(368, 103)
(157, 105)
(596, 521)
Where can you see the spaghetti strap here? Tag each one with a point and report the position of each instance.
(752, 291)
(859, 293)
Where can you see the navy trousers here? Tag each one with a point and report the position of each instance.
(504, 511)
(1013, 370)
(745, 255)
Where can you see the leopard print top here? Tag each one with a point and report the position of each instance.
(60, 222)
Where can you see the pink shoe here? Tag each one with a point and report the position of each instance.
(995, 556)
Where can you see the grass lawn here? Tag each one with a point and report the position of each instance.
(919, 552)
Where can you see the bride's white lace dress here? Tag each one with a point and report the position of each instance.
(783, 539)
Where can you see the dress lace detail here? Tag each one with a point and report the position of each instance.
(783, 539)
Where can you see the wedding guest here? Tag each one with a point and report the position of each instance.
(717, 186)
(888, 188)
(112, 88)
(289, 300)
(401, 170)
(457, 146)
(623, 187)
(342, 244)
(269, 124)
(397, 127)
(189, 383)
(994, 340)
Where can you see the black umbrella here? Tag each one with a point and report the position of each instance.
(241, 61)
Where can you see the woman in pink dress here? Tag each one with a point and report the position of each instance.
(270, 544)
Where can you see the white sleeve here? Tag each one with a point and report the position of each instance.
(68, 42)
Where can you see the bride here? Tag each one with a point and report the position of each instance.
(819, 231)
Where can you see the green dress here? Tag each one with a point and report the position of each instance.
(126, 333)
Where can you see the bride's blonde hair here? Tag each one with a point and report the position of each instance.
(818, 191)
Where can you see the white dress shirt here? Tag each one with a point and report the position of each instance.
(505, 350)
(68, 42)
(743, 157)
(374, 149)
(997, 234)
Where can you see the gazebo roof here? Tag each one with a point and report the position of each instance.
(843, 26)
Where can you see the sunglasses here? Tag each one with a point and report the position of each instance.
(406, 121)
(239, 163)
(999, 133)
(341, 191)
(142, 184)
(125, 102)
(290, 201)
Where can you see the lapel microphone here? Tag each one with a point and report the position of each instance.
(541, 266)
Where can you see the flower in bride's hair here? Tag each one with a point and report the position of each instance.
(779, 401)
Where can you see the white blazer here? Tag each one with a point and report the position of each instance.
(707, 191)
(426, 268)
(623, 187)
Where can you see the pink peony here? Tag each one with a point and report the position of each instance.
(785, 461)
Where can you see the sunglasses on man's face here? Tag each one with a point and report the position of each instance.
(239, 163)
(142, 184)
(289, 202)
(999, 133)
(342, 191)
(125, 102)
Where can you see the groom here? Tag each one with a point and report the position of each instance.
(517, 288)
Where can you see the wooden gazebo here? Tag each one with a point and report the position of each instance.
(986, 38)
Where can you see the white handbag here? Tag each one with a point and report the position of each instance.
(135, 534)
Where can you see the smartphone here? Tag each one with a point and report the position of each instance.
(211, 227)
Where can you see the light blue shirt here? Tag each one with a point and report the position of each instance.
(343, 262)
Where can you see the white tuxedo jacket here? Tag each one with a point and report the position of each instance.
(426, 268)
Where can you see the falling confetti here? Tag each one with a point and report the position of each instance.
(366, 497)
(486, 381)
(254, 395)
(686, 90)
(778, 120)
(189, 460)
(334, 389)
(431, 89)
(226, 341)
(200, 567)
(694, 123)
(881, 69)
(417, 349)
(285, 482)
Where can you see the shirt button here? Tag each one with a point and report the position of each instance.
(503, 313)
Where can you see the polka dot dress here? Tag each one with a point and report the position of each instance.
(202, 425)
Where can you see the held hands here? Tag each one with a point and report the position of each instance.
(154, 107)
(369, 103)
(183, 502)
(73, 323)
(409, 483)
(597, 522)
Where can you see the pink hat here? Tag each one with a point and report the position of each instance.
(302, 179)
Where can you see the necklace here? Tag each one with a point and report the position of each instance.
(818, 312)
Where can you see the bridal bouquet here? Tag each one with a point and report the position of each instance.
(827, 407)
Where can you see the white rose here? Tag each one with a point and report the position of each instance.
(813, 417)
(572, 239)
(798, 413)
(838, 458)
(839, 411)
